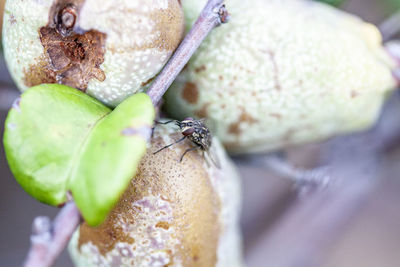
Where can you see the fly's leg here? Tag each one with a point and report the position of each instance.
(159, 122)
(180, 140)
(188, 150)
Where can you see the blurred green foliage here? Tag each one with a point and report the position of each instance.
(338, 2)
(394, 3)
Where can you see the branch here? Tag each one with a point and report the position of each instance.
(390, 27)
(306, 232)
(48, 240)
(305, 178)
(213, 14)
(308, 228)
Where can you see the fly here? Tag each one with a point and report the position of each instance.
(198, 133)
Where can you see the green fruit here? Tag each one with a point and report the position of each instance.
(172, 213)
(282, 73)
(110, 49)
(58, 139)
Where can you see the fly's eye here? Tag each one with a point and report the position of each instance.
(188, 131)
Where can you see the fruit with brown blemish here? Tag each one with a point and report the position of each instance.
(2, 3)
(283, 73)
(172, 214)
(109, 50)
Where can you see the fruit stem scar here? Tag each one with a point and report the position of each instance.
(65, 19)
(213, 14)
(68, 18)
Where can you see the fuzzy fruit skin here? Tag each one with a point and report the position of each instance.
(282, 73)
(140, 36)
(175, 214)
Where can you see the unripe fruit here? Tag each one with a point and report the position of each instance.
(2, 3)
(110, 49)
(172, 214)
(282, 73)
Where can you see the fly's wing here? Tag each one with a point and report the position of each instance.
(212, 126)
(213, 156)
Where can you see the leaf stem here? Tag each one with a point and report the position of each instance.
(213, 14)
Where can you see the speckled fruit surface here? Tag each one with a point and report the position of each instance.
(282, 73)
(172, 214)
(110, 49)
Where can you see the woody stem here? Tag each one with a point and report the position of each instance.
(213, 14)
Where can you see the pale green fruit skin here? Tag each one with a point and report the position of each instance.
(136, 46)
(200, 202)
(282, 73)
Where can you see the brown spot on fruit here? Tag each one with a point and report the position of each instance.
(354, 94)
(247, 118)
(12, 19)
(234, 128)
(164, 225)
(203, 112)
(69, 58)
(200, 69)
(190, 93)
(276, 115)
(76, 58)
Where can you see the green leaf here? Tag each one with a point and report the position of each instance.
(42, 137)
(111, 156)
(58, 139)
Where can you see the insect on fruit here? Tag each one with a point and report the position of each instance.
(198, 133)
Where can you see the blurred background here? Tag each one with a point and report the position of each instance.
(355, 222)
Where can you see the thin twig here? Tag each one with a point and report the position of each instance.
(49, 240)
(213, 14)
(306, 232)
(281, 166)
(310, 226)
